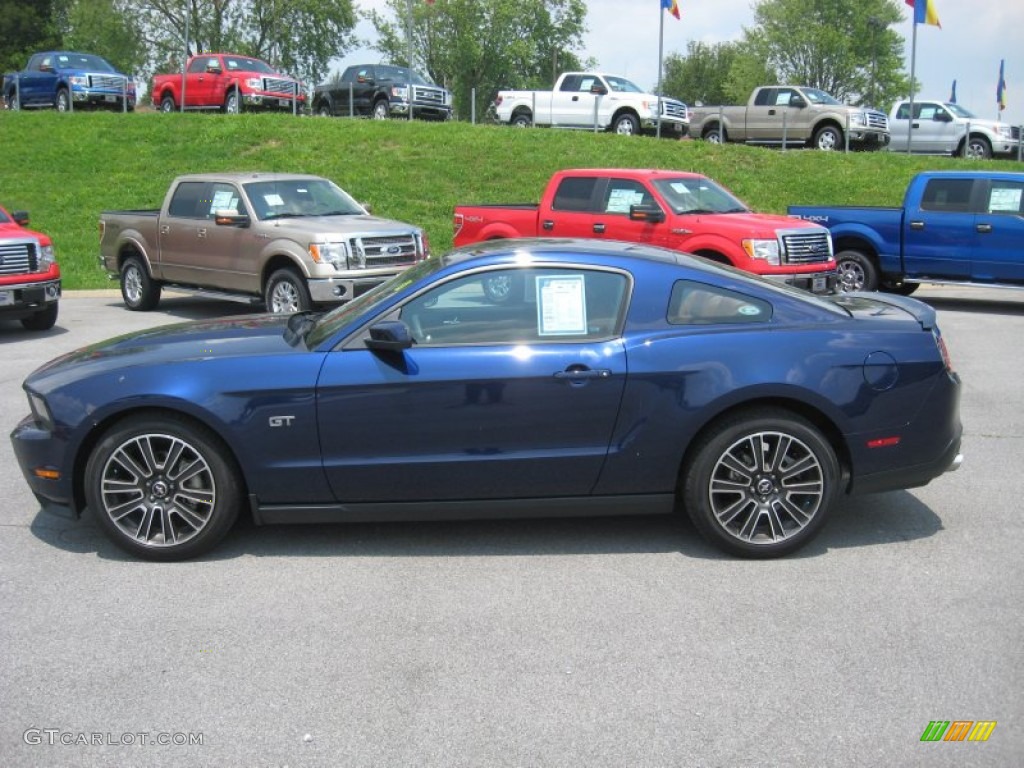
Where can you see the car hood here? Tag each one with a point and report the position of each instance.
(345, 225)
(751, 224)
(248, 336)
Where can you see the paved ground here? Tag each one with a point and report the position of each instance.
(613, 642)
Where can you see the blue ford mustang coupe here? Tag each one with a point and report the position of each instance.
(514, 379)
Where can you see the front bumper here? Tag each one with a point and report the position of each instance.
(37, 448)
(669, 127)
(25, 298)
(101, 98)
(272, 101)
(869, 139)
(821, 283)
(332, 290)
(426, 111)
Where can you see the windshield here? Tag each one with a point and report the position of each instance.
(697, 195)
(959, 111)
(622, 85)
(3, 217)
(82, 61)
(401, 75)
(291, 198)
(245, 64)
(338, 318)
(819, 97)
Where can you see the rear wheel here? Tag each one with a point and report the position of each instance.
(287, 293)
(856, 272)
(522, 119)
(41, 321)
(761, 483)
(162, 488)
(140, 292)
(63, 100)
(901, 289)
(713, 135)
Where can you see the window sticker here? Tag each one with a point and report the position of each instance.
(619, 200)
(273, 199)
(1005, 200)
(223, 200)
(680, 188)
(561, 305)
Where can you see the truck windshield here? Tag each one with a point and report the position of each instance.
(959, 111)
(622, 85)
(401, 75)
(82, 61)
(819, 97)
(246, 64)
(697, 195)
(290, 198)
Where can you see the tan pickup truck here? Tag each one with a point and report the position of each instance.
(291, 241)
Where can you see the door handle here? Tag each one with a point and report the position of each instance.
(575, 98)
(548, 224)
(573, 373)
(916, 125)
(771, 111)
(984, 228)
(164, 229)
(599, 229)
(201, 233)
(917, 225)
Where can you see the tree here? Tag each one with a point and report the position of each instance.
(484, 44)
(107, 28)
(700, 75)
(25, 28)
(847, 49)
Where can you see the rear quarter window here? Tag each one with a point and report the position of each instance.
(693, 303)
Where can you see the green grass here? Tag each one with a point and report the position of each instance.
(67, 168)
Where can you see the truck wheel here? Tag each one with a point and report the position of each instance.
(626, 125)
(287, 293)
(900, 289)
(41, 321)
(232, 106)
(323, 109)
(63, 100)
(381, 110)
(856, 272)
(10, 102)
(521, 119)
(167, 104)
(977, 148)
(714, 135)
(828, 138)
(140, 292)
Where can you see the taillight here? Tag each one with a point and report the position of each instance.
(103, 227)
(457, 221)
(941, 344)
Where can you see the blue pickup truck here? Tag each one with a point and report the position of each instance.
(955, 227)
(68, 80)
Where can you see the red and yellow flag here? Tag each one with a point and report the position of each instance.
(672, 6)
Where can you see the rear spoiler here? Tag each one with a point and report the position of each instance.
(923, 313)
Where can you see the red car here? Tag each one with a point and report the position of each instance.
(29, 274)
(228, 82)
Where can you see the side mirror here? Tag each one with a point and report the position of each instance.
(652, 214)
(368, 207)
(598, 90)
(46, 68)
(20, 218)
(389, 336)
(797, 101)
(214, 69)
(943, 117)
(231, 219)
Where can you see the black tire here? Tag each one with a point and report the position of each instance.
(976, 148)
(157, 478)
(232, 102)
(63, 101)
(323, 109)
(41, 321)
(287, 292)
(381, 110)
(626, 124)
(760, 483)
(10, 102)
(714, 135)
(521, 119)
(828, 138)
(900, 289)
(501, 289)
(167, 104)
(856, 272)
(139, 291)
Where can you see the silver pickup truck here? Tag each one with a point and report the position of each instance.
(291, 241)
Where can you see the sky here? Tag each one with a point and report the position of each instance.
(623, 38)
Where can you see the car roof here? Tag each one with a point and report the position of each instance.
(558, 250)
(654, 173)
(246, 176)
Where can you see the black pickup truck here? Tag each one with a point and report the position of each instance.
(381, 91)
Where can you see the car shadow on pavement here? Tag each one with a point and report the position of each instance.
(981, 306)
(865, 521)
(199, 308)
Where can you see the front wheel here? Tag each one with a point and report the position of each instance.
(11, 101)
(856, 272)
(63, 100)
(162, 488)
(232, 104)
(626, 125)
(761, 483)
(828, 138)
(41, 321)
(324, 109)
(381, 110)
(140, 292)
(900, 289)
(287, 293)
(977, 148)
(167, 104)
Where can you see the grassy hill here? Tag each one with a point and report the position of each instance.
(66, 168)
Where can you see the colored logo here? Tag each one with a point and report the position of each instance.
(958, 730)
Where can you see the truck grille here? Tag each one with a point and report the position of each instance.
(807, 246)
(1015, 132)
(672, 108)
(106, 82)
(877, 120)
(431, 96)
(279, 85)
(18, 257)
(385, 251)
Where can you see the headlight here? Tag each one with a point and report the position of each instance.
(255, 83)
(1004, 131)
(766, 250)
(400, 92)
(335, 254)
(46, 258)
(858, 118)
(79, 80)
(40, 411)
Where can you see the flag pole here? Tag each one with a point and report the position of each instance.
(661, 48)
(913, 64)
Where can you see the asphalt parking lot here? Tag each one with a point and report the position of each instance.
(609, 642)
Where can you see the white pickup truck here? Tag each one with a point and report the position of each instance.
(941, 128)
(589, 100)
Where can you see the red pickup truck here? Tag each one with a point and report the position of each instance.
(682, 211)
(228, 82)
(29, 275)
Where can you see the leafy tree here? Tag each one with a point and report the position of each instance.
(847, 49)
(105, 27)
(700, 75)
(25, 28)
(484, 44)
